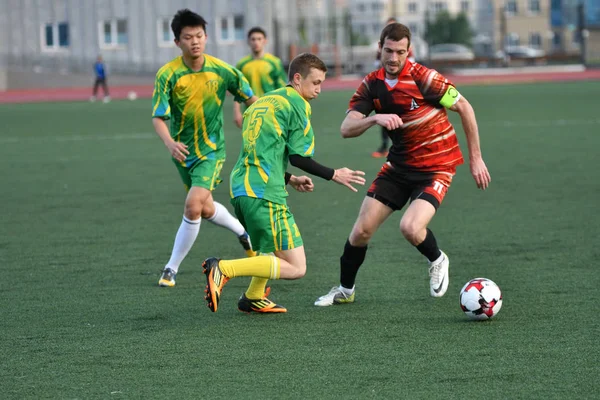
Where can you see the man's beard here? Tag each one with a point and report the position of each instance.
(396, 73)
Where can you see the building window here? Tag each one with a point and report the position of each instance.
(534, 6)
(165, 34)
(439, 6)
(557, 40)
(231, 28)
(464, 6)
(361, 7)
(55, 36)
(238, 27)
(413, 29)
(512, 39)
(535, 40)
(412, 8)
(511, 7)
(113, 33)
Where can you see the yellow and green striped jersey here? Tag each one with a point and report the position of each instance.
(193, 101)
(264, 74)
(275, 126)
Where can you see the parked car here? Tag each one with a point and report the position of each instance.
(520, 52)
(450, 52)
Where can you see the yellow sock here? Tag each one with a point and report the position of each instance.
(261, 267)
(257, 287)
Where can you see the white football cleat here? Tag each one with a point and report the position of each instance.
(439, 279)
(335, 296)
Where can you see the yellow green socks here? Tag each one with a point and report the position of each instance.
(266, 267)
(257, 287)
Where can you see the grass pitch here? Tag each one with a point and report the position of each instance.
(91, 203)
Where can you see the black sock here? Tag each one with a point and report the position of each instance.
(429, 247)
(350, 262)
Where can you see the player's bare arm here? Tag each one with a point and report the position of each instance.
(178, 150)
(237, 112)
(250, 101)
(477, 165)
(355, 123)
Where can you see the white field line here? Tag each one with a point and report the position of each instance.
(153, 136)
(79, 138)
(543, 123)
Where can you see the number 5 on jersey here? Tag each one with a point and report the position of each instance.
(255, 122)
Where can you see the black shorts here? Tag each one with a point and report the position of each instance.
(395, 188)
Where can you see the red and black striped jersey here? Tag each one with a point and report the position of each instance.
(426, 141)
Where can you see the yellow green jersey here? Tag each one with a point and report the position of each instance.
(193, 101)
(264, 74)
(275, 126)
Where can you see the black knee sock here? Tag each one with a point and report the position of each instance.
(350, 262)
(429, 247)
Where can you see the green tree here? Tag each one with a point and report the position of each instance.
(447, 29)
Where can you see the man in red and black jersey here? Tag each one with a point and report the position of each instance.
(410, 102)
(382, 150)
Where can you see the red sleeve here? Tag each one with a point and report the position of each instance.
(431, 83)
(362, 99)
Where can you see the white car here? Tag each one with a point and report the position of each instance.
(517, 52)
(450, 52)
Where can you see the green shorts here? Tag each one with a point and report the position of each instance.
(271, 226)
(204, 173)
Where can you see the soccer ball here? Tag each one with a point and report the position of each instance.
(132, 95)
(480, 299)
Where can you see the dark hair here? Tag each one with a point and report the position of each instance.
(185, 18)
(395, 32)
(257, 29)
(303, 63)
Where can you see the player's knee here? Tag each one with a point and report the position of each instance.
(410, 230)
(299, 270)
(207, 213)
(193, 212)
(361, 235)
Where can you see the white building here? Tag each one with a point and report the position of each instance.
(133, 35)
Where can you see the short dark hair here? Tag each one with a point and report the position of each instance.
(257, 29)
(395, 32)
(303, 63)
(184, 18)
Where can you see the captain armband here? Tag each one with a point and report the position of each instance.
(450, 98)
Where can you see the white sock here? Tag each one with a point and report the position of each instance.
(223, 218)
(346, 291)
(185, 238)
(438, 260)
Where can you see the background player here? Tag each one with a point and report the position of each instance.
(276, 128)
(100, 75)
(263, 70)
(190, 91)
(421, 163)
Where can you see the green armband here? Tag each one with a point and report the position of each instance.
(450, 97)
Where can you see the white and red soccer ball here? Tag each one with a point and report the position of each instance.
(480, 299)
